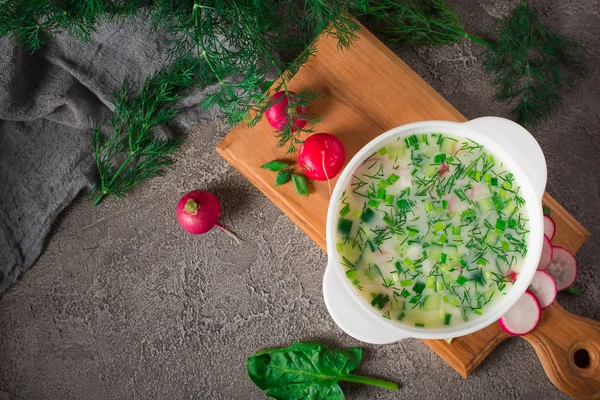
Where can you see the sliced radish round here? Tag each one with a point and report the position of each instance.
(544, 287)
(546, 256)
(549, 227)
(523, 317)
(563, 267)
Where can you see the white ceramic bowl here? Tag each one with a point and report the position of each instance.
(521, 154)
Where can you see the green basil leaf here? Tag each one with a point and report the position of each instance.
(283, 177)
(275, 165)
(307, 370)
(573, 291)
(300, 184)
(546, 210)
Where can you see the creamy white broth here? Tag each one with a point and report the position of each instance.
(429, 228)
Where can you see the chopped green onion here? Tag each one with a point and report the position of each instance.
(367, 215)
(393, 178)
(383, 184)
(418, 287)
(461, 280)
(345, 210)
(404, 204)
(411, 141)
(500, 225)
(447, 319)
(382, 151)
(406, 282)
(419, 325)
(344, 226)
(373, 203)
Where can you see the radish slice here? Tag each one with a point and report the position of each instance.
(544, 287)
(563, 267)
(549, 227)
(511, 276)
(546, 256)
(523, 317)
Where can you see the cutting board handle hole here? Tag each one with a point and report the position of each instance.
(581, 358)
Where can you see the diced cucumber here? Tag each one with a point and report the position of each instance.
(492, 238)
(430, 282)
(452, 252)
(435, 252)
(373, 272)
(486, 204)
(448, 145)
(430, 170)
(432, 302)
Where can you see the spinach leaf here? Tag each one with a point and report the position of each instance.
(307, 370)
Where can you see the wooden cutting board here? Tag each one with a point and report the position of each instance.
(368, 90)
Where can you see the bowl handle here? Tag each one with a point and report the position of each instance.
(519, 143)
(349, 314)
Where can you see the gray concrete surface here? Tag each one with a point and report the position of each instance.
(124, 305)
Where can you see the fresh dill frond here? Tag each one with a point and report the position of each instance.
(530, 65)
(418, 22)
(132, 152)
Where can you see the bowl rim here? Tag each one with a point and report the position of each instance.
(534, 239)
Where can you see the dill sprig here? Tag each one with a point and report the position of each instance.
(234, 44)
(530, 65)
(133, 152)
(419, 22)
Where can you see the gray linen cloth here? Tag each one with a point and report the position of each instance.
(49, 103)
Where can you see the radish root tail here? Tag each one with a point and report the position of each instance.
(325, 171)
(229, 233)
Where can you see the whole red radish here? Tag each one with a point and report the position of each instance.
(198, 212)
(277, 113)
(322, 156)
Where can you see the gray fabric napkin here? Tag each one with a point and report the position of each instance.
(49, 102)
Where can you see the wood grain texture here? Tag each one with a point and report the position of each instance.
(368, 90)
(556, 339)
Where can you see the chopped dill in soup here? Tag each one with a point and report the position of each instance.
(429, 228)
